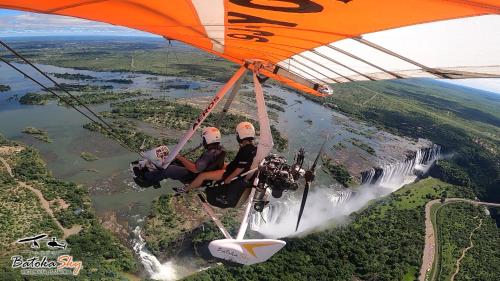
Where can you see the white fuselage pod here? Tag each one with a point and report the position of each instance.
(157, 156)
(246, 251)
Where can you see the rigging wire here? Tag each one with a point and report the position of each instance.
(67, 102)
(55, 83)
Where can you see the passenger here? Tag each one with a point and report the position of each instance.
(184, 169)
(245, 135)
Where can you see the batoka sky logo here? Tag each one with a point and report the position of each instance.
(46, 256)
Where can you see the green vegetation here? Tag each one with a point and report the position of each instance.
(464, 122)
(120, 81)
(275, 99)
(280, 142)
(104, 258)
(75, 76)
(275, 107)
(87, 156)
(451, 172)
(88, 97)
(132, 55)
(4, 88)
(455, 223)
(37, 134)
(383, 242)
(169, 114)
(339, 146)
(161, 226)
(269, 98)
(35, 99)
(97, 98)
(163, 113)
(362, 145)
(80, 87)
(337, 171)
(127, 132)
(173, 220)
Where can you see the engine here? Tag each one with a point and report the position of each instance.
(278, 175)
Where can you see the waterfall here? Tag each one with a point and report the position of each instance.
(279, 218)
(395, 175)
(155, 269)
(327, 205)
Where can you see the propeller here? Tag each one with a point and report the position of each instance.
(309, 177)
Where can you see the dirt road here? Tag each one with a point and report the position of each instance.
(45, 204)
(430, 235)
(465, 250)
(430, 242)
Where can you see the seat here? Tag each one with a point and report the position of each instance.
(227, 195)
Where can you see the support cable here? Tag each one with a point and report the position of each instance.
(56, 84)
(67, 102)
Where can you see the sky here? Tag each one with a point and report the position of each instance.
(17, 23)
(486, 32)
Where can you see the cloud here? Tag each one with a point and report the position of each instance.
(31, 24)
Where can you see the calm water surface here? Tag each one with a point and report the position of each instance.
(108, 178)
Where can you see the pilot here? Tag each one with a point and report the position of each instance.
(245, 135)
(184, 169)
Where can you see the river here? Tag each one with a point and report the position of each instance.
(304, 123)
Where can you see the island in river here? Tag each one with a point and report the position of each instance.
(355, 147)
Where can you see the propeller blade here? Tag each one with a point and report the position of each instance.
(302, 204)
(319, 154)
(309, 179)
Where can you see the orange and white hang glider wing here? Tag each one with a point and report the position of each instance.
(307, 43)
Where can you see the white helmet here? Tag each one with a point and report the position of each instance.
(245, 130)
(210, 135)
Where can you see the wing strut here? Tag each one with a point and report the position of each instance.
(203, 115)
(240, 250)
(229, 100)
(212, 215)
(389, 52)
(364, 61)
(224, 111)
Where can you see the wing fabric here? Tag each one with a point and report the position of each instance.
(303, 41)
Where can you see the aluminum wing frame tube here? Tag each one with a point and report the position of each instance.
(203, 115)
(248, 208)
(229, 101)
(265, 139)
(263, 149)
(214, 218)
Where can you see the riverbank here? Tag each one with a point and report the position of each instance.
(34, 202)
(115, 196)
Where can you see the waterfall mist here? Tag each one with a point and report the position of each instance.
(327, 205)
(153, 267)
